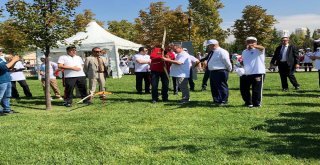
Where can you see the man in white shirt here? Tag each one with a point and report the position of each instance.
(307, 62)
(219, 65)
(253, 62)
(17, 75)
(73, 75)
(142, 66)
(180, 69)
(53, 67)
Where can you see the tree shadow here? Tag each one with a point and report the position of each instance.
(296, 134)
(288, 94)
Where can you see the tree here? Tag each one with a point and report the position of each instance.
(123, 28)
(44, 22)
(151, 24)
(206, 18)
(254, 22)
(12, 39)
(82, 20)
(315, 35)
(308, 41)
(297, 40)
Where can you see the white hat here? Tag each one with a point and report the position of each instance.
(251, 38)
(318, 48)
(185, 49)
(308, 49)
(212, 42)
(285, 36)
(43, 56)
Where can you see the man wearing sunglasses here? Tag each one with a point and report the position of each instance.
(95, 68)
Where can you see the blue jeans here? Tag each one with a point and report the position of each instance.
(5, 94)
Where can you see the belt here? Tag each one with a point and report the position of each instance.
(100, 71)
(219, 70)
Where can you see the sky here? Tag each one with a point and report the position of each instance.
(291, 14)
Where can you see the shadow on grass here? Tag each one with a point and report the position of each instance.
(301, 104)
(288, 94)
(296, 134)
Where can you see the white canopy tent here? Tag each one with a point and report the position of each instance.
(95, 36)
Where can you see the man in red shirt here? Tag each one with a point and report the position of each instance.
(158, 72)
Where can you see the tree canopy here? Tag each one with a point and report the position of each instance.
(254, 22)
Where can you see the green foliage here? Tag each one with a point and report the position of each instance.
(128, 129)
(206, 19)
(315, 35)
(123, 29)
(43, 22)
(297, 40)
(254, 22)
(82, 20)
(12, 39)
(151, 24)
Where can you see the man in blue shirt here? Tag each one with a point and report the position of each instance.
(5, 84)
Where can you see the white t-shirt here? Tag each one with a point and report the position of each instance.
(307, 58)
(52, 67)
(253, 61)
(67, 60)
(317, 61)
(220, 60)
(182, 70)
(192, 60)
(17, 76)
(141, 67)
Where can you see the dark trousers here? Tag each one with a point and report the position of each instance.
(70, 84)
(219, 85)
(155, 76)
(140, 76)
(256, 82)
(319, 77)
(308, 65)
(191, 83)
(205, 78)
(287, 71)
(175, 85)
(25, 87)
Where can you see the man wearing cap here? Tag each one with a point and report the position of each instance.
(286, 57)
(254, 71)
(307, 62)
(74, 75)
(53, 67)
(219, 65)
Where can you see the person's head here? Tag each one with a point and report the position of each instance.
(177, 48)
(318, 49)
(285, 40)
(42, 58)
(96, 51)
(308, 49)
(71, 50)
(251, 41)
(143, 50)
(1, 50)
(212, 44)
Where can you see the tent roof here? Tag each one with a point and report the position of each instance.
(96, 36)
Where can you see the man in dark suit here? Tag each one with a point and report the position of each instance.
(286, 57)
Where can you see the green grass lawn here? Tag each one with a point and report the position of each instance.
(128, 129)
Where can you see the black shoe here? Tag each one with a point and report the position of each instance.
(165, 99)
(140, 93)
(67, 104)
(203, 88)
(257, 106)
(147, 93)
(284, 90)
(297, 87)
(192, 90)
(153, 101)
(9, 112)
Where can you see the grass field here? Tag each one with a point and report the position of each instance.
(128, 129)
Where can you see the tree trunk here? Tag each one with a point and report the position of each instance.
(47, 79)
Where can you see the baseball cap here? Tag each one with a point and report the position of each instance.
(212, 42)
(251, 38)
(185, 49)
(308, 49)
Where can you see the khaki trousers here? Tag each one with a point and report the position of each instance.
(54, 86)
